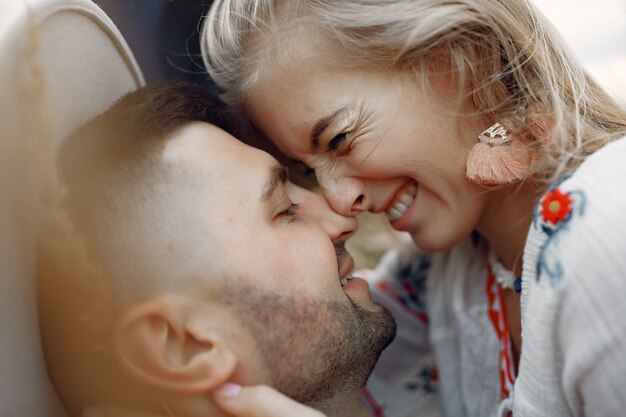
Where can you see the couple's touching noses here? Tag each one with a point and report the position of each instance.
(180, 259)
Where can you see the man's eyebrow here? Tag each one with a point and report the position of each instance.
(321, 125)
(278, 175)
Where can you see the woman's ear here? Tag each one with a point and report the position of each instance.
(539, 123)
(157, 345)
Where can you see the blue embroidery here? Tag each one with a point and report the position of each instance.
(426, 380)
(412, 276)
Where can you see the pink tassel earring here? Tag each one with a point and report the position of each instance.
(497, 158)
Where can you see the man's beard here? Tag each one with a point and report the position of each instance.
(315, 350)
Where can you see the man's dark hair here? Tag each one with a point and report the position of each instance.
(140, 123)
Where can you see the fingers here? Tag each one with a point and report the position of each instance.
(259, 401)
(238, 401)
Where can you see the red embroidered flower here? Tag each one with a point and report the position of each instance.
(556, 206)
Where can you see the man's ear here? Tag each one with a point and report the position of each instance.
(156, 344)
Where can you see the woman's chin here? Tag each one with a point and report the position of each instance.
(436, 241)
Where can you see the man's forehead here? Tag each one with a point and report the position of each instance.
(211, 154)
(199, 140)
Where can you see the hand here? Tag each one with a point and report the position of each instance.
(259, 401)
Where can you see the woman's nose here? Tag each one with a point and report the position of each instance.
(346, 195)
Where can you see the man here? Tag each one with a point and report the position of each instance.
(178, 262)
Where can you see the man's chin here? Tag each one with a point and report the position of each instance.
(386, 326)
(316, 350)
(380, 327)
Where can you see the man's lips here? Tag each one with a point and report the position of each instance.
(345, 263)
(346, 266)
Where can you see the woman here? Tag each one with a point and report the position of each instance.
(475, 130)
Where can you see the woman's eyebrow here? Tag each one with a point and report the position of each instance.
(278, 175)
(321, 125)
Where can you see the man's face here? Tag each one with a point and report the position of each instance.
(315, 336)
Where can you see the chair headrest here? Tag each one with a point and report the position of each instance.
(62, 62)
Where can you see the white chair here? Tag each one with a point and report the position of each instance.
(61, 63)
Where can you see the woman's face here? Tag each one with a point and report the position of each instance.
(379, 142)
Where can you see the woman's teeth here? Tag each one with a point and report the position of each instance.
(401, 204)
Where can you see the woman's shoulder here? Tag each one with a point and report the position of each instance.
(604, 166)
(595, 193)
(590, 198)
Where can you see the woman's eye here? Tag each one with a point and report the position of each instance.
(291, 212)
(336, 142)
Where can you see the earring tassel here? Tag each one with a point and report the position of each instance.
(498, 164)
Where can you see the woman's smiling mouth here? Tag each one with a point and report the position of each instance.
(403, 199)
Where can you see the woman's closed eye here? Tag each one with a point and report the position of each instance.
(336, 142)
(333, 146)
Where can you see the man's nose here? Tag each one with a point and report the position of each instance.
(314, 207)
(339, 228)
(347, 195)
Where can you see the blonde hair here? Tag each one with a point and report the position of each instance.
(505, 51)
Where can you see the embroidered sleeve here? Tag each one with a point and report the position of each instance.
(593, 319)
(583, 264)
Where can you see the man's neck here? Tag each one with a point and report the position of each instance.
(351, 406)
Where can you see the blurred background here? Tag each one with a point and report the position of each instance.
(596, 32)
(163, 35)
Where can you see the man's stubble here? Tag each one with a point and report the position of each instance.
(315, 350)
